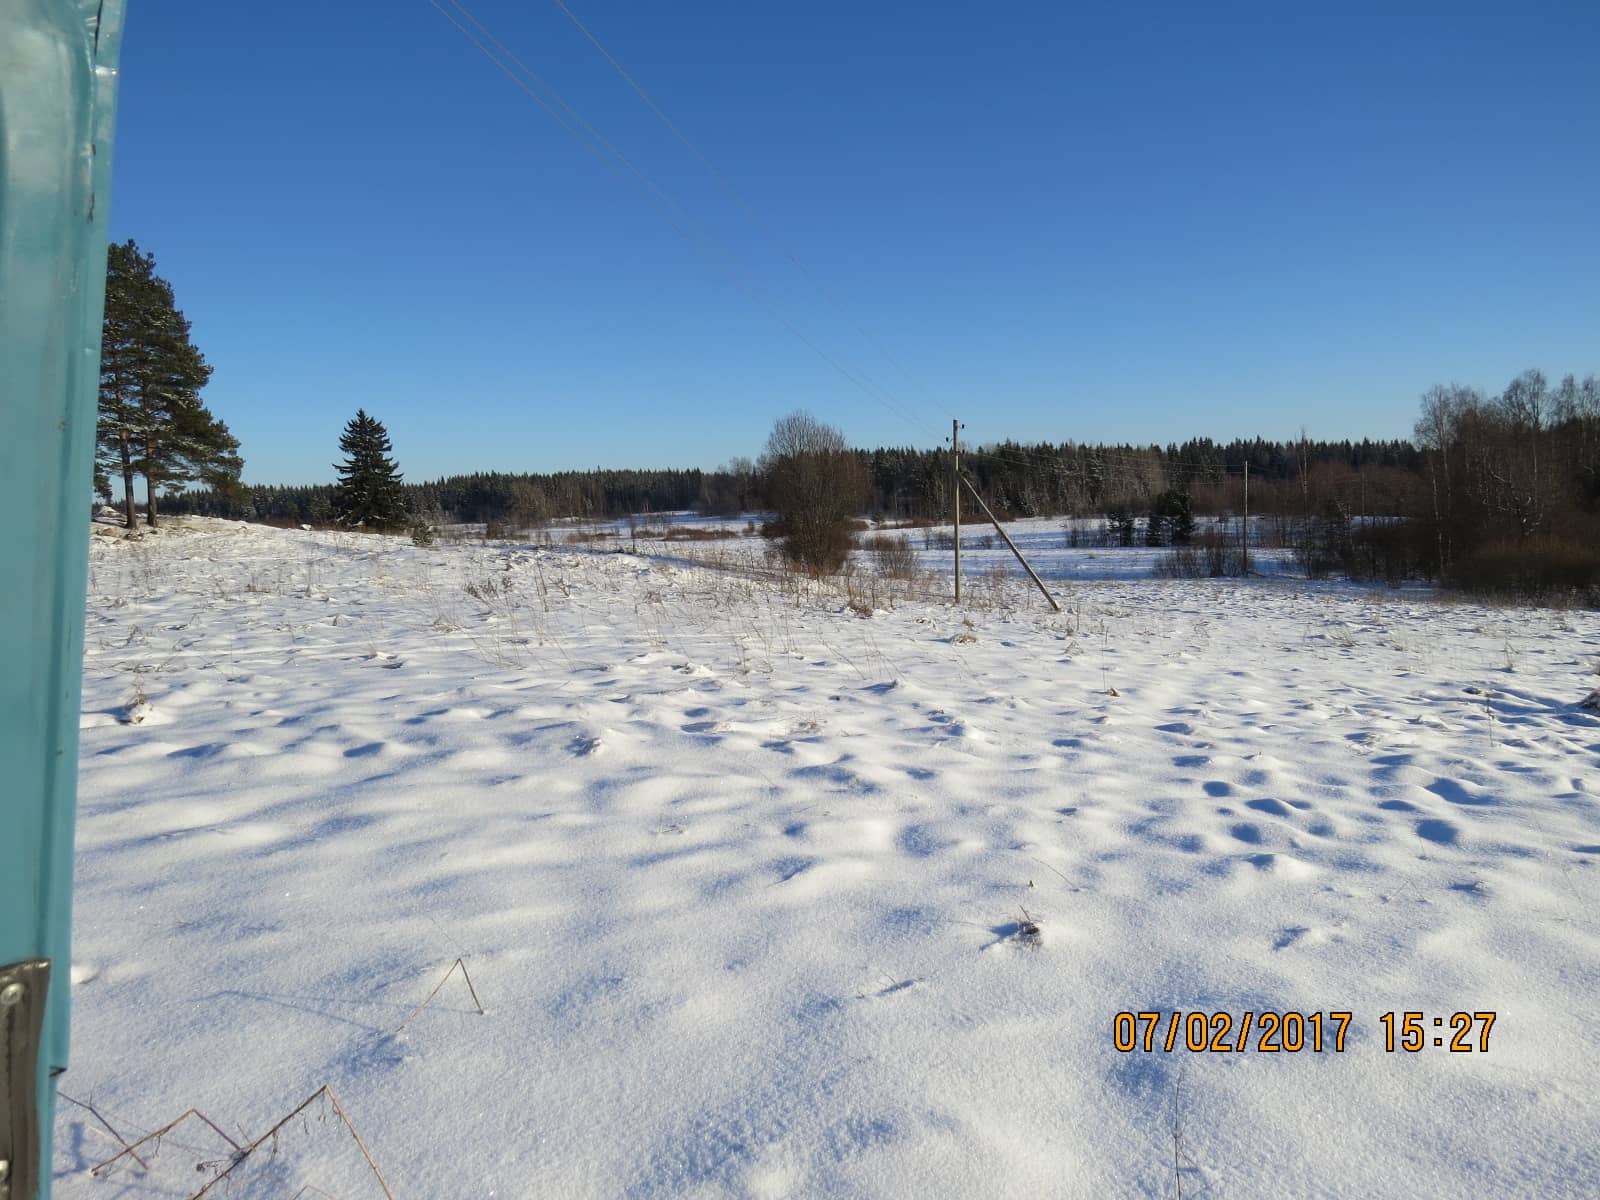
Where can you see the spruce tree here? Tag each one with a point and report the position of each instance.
(369, 492)
(152, 420)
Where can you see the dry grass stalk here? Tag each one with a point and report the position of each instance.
(1064, 879)
(461, 963)
(161, 1133)
(109, 1128)
(322, 1092)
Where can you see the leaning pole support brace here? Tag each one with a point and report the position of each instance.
(58, 88)
(998, 528)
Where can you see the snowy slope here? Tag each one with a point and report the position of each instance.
(740, 875)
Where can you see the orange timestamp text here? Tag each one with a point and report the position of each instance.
(1272, 1032)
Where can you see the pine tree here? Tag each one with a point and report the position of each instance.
(152, 420)
(128, 275)
(369, 491)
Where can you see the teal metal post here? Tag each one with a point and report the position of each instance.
(58, 61)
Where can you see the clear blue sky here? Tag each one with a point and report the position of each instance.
(1109, 221)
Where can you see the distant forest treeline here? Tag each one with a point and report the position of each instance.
(1018, 480)
(1497, 493)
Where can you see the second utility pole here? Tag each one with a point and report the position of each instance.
(1244, 534)
(955, 493)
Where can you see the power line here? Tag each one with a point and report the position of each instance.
(1132, 455)
(1098, 455)
(733, 191)
(576, 125)
(738, 197)
(589, 137)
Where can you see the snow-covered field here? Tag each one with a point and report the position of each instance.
(765, 898)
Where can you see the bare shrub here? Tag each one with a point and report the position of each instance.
(1211, 556)
(816, 486)
(699, 534)
(1534, 568)
(1393, 551)
(1224, 556)
(892, 555)
(1182, 562)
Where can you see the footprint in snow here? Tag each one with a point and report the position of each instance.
(788, 868)
(1441, 833)
(1276, 808)
(1288, 937)
(1459, 793)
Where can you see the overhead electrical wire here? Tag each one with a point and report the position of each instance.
(733, 191)
(739, 198)
(590, 138)
(597, 144)
(1021, 457)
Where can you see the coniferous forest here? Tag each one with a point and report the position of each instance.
(904, 483)
(1495, 492)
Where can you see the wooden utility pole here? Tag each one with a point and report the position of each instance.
(955, 494)
(1244, 533)
(997, 528)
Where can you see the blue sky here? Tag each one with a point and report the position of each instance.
(1056, 220)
